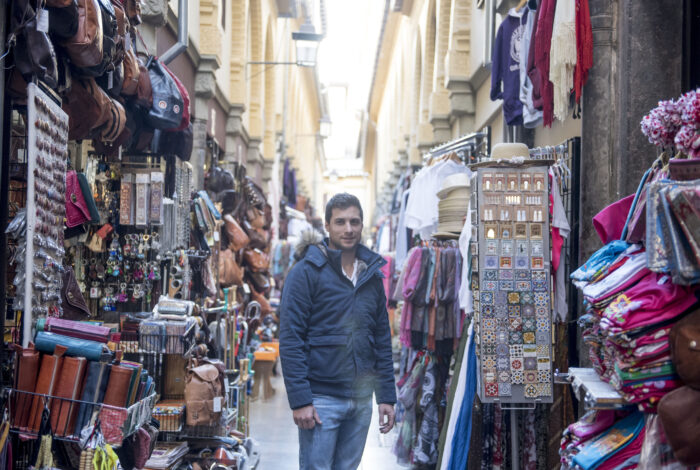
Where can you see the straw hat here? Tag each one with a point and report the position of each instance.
(507, 151)
(454, 182)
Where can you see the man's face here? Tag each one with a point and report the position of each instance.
(345, 228)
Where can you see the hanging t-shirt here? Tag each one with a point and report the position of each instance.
(532, 117)
(422, 205)
(505, 73)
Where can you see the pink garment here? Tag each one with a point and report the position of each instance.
(409, 286)
(610, 222)
(620, 457)
(592, 424)
(388, 271)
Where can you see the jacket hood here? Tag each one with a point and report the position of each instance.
(307, 239)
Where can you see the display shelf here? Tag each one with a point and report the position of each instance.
(591, 389)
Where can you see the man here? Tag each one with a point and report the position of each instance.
(335, 342)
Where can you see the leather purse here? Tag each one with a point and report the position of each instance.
(256, 218)
(46, 382)
(77, 211)
(166, 111)
(258, 239)
(256, 259)
(109, 41)
(259, 281)
(131, 74)
(230, 273)
(679, 412)
(85, 48)
(89, 198)
(96, 379)
(26, 370)
(684, 340)
(72, 301)
(237, 238)
(133, 11)
(116, 121)
(68, 386)
(34, 54)
(46, 342)
(144, 90)
(202, 388)
(178, 143)
(84, 108)
(63, 21)
(265, 307)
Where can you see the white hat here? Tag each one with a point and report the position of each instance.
(506, 151)
(458, 180)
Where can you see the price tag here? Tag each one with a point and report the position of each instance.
(110, 80)
(94, 293)
(42, 22)
(227, 386)
(217, 404)
(127, 42)
(246, 288)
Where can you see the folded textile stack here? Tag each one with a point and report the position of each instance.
(630, 311)
(166, 455)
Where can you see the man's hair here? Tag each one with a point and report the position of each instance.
(342, 201)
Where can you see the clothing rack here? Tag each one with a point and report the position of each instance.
(470, 148)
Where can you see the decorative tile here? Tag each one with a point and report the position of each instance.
(544, 389)
(542, 350)
(501, 311)
(506, 262)
(522, 275)
(491, 262)
(541, 299)
(501, 297)
(529, 337)
(544, 376)
(537, 262)
(543, 337)
(539, 286)
(542, 312)
(492, 247)
(490, 376)
(486, 298)
(488, 349)
(506, 285)
(521, 262)
(529, 324)
(475, 282)
(504, 376)
(488, 336)
(516, 363)
(514, 298)
(527, 298)
(503, 322)
(531, 391)
(491, 390)
(516, 350)
(502, 337)
(489, 362)
(521, 248)
(530, 376)
(542, 324)
(529, 363)
(529, 350)
(487, 311)
(536, 248)
(523, 286)
(539, 275)
(505, 274)
(504, 389)
(517, 377)
(544, 363)
(506, 247)
(528, 310)
(514, 310)
(490, 274)
(515, 337)
(490, 285)
(488, 323)
(502, 349)
(515, 323)
(503, 363)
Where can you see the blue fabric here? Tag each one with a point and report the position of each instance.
(505, 70)
(339, 441)
(463, 429)
(634, 203)
(600, 260)
(335, 338)
(606, 445)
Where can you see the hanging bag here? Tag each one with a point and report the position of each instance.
(85, 48)
(167, 109)
(185, 99)
(34, 52)
(109, 42)
(203, 395)
(63, 21)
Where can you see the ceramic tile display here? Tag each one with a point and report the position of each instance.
(512, 302)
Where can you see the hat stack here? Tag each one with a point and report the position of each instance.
(453, 205)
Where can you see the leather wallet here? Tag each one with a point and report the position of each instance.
(118, 386)
(26, 369)
(134, 382)
(78, 330)
(69, 385)
(72, 300)
(96, 380)
(45, 385)
(92, 350)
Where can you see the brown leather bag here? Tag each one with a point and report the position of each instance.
(72, 301)
(255, 217)
(237, 238)
(230, 273)
(87, 107)
(85, 48)
(685, 348)
(265, 307)
(679, 412)
(258, 238)
(202, 391)
(256, 259)
(133, 11)
(131, 74)
(144, 92)
(116, 121)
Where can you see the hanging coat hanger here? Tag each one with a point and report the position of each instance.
(521, 5)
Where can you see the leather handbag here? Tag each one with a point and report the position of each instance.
(258, 239)
(85, 48)
(185, 100)
(133, 11)
(85, 106)
(34, 54)
(89, 198)
(178, 143)
(72, 301)
(684, 340)
(265, 307)
(203, 392)
(166, 111)
(230, 273)
(237, 238)
(256, 218)
(256, 259)
(131, 74)
(109, 41)
(77, 211)
(63, 21)
(26, 370)
(116, 121)
(679, 412)
(144, 91)
(46, 342)
(259, 281)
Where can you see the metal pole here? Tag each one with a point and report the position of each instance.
(5, 120)
(182, 34)
(514, 441)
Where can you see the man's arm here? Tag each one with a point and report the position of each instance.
(295, 307)
(385, 387)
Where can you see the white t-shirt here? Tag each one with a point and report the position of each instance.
(352, 278)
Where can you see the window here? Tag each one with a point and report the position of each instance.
(222, 11)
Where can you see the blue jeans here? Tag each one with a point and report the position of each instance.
(338, 443)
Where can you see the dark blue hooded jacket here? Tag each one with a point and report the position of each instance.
(335, 337)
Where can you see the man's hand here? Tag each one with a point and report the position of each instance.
(386, 418)
(307, 418)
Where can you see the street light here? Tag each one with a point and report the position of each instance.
(307, 41)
